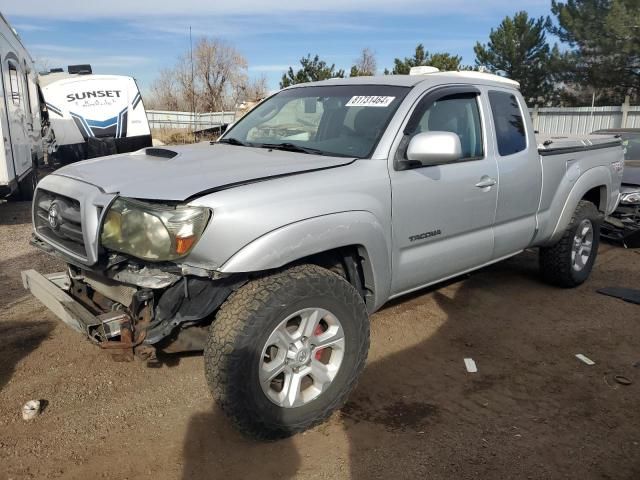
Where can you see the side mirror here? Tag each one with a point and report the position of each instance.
(434, 148)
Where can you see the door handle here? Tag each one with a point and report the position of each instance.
(486, 182)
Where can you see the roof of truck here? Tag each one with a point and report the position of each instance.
(412, 80)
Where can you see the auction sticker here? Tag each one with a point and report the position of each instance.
(370, 101)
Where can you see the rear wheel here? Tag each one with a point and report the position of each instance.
(569, 262)
(285, 350)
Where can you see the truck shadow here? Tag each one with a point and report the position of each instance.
(18, 340)
(214, 449)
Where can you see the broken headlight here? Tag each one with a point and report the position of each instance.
(152, 232)
(630, 196)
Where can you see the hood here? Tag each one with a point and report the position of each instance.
(194, 169)
(631, 173)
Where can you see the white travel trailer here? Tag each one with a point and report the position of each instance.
(20, 122)
(92, 115)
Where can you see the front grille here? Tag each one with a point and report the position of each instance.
(58, 219)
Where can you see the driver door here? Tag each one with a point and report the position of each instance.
(443, 215)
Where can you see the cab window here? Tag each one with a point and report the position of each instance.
(457, 114)
(507, 117)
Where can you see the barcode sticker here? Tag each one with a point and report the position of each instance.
(370, 101)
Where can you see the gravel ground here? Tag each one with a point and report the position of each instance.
(532, 411)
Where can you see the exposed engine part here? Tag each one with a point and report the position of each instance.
(146, 277)
(117, 292)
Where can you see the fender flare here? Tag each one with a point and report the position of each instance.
(592, 178)
(314, 235)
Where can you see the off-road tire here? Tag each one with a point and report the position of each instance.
(555, 261)
(241, 328)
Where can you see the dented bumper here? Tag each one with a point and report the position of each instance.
(52, 291)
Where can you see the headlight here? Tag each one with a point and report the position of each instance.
(629, 196)
(152, 232)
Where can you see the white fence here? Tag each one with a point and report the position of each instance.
(562, 120)
(581, 120)
(188, 120)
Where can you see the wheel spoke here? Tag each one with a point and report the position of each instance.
(292, 389)
(281, 338)
(322, 374)
(309, 322)
(332, 336)
(270, 370)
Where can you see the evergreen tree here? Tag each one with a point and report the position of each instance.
(518, 49)
(604, 55)
(442, 61)
(313, 69)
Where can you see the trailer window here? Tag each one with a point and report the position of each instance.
(507, 117)
(14, 83)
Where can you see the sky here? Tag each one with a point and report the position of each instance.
(140, 37)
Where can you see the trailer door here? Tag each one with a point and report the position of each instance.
(18, 121)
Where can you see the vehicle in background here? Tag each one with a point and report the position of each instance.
(92, 115)
(270, 249)
(20, 121)
(623, 225)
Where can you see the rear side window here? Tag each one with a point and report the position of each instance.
(507, 119)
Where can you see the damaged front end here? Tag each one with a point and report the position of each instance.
(127, 287)
(132, 308)
(623, 225)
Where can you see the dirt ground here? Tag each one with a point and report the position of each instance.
(532, 411)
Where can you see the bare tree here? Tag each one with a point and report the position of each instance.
(164, 91)
(365, 64)
(220, 69)
(256, 89)
(217, 81)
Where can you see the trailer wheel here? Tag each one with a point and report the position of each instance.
(285, 350)
(569, 262)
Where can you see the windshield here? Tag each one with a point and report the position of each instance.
(339, 120)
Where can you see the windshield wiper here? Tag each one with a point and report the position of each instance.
(292, 147)
(232, 141)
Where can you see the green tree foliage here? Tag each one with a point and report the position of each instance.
(442, 61)
(604, 41)
(313, 69)
(518, 49)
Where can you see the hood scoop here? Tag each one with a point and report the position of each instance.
(160, 152)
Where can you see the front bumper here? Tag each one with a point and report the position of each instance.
(52, 290)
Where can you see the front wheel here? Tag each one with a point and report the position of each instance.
(285, 350)
(569, 262)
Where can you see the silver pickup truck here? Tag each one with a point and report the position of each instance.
(270, 248)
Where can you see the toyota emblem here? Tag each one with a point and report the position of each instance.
(54, 217)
